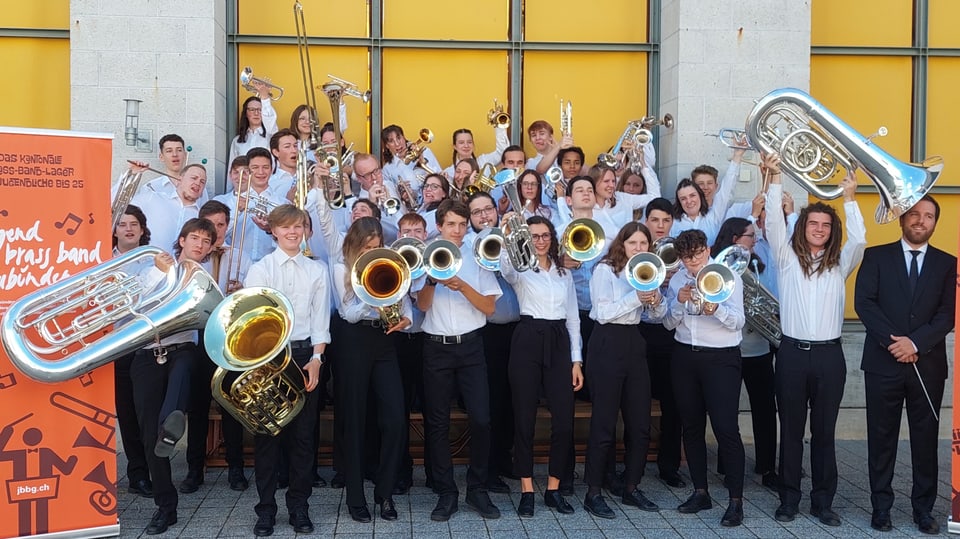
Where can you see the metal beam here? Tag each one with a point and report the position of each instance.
(45, 33)
(918, 123)
(393, 43)
(653, 64)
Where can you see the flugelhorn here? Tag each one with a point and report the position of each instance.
(583, 240)
(103, 313)
(497, 117)
(732, 138)
(349, 88)
(645, 272)
(411, 249)
(247, 80)
(380, 278)
(487, 248)
(415, 149)
(442, 259)
(815, 145)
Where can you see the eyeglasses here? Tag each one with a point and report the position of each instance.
(533, 183)
(370, 174)
(432, 187)
(258, 111)
(480, 211)
(541, 237)
(695, 256)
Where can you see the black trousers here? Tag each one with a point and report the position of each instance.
(708, 382)
(540, 360)
(496, 350)
(297, 440)
(137, 469)
(885, 398)
(409, 348)
(448, 368)
(371, 371)
(199, 414)
(660, 343)
(813, 378)
(758, 378)
(158, 390)
(618, 366)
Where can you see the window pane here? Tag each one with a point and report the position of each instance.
(482, 20)
(45, 14)
(322, 18)
(41, 69)
(600, 111)
(943, 116)
(878, 23)
(943, 18)
(598, 21)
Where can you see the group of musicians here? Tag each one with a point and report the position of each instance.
(558, 327)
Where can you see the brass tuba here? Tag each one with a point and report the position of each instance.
(816, 145)
(249, 332)
(380, 278)
(583, 240)
(645, 272)
(103, 313)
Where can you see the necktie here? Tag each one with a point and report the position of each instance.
(914, 276)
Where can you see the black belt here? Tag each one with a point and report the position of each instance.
(305, 343)
(695, 348)
(453, 339)
(807, 345)
(372, 323)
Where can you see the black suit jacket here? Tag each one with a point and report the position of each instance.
(885, 306)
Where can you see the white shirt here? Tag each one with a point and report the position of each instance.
(616, 302)
(546, 295)
(451, 313)
(268, 116)
(811, 308)
(492, 158)
(280, 184)
(351, 308)
(257, 243)
(395, 169)
(719, 330)
(908, 256)
(152, 280)
(166, 213)
(710, 223)
(238, 266)
(306, 283)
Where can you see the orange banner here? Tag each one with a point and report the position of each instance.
(57, 447)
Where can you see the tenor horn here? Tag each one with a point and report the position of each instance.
(583, 240)
(645, 272)
(487, 248)
(247, 80)
(815, 145)
(667, 252)
(442, 259)
(411, 249)
(516, 234)
(103, 313)
(380, 278)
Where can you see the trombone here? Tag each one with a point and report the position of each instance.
(306, 72)
(497, 117)
(247, 80)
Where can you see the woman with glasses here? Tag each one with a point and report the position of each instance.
(530, 190)
(435, 191)
(545, 354)
(395, 147)
(258, 122)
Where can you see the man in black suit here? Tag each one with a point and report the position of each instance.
(905, 297)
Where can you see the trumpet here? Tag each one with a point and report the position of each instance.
(583, 240)
(247, 80)
(380, 278)
(415, 149)
(645, 272)
(566, 118)
(442, 259)
(497, 117)
(649, 122)
(411, 199)
(636, 132)
(665, 250)
(411, 249)
(348, 88)
(487, 248)
(259, 205)
(484, 181)
(732, 138)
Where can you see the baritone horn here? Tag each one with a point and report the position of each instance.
(583, 240)
(487, 248)
(103, 313)
(247, 80)
(381, 278)
(442, 259)
(411, 249)
(497, 117)
(815, 145)
(645, 272)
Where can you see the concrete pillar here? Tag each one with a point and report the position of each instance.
(171, 54)
(716, 58)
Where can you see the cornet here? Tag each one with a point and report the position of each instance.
(247, 80)
(348, 88)
(553, 177)
(582, 240)
(732, 138)
(442, 259)
(415, 149)
(484, 181)
(645, 272)
(497, 117)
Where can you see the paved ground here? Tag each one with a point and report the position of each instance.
(216, 511)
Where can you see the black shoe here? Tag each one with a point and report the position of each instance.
(925, 523)
(673, 479)
(553, 498)
(525, 508)
(160, 522)
(786, 513)
(771, 480)
(300, 520)
(496, 485)
(388, 511)
(360, 513)
(143, 487)
(264, 525)
(401, 487)
(638, 500)
(446, 506)
(698, 501)
(733, 516)
(827, 516)
(170, 433)
(597, 506)
(283, 483)
(338, 481)
(566, 488)
(191, 483)
(479, 500)
(880, 521)
(318, 482)
(613, 482)
(237, 480)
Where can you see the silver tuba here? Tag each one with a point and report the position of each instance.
(761, 308)
(815, 145)
(103, 313)
(487, 248)
(516, 233)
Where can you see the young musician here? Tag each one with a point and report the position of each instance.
(258, 200)
(372, 370)
(283, 181)
(238, 172)
(463, 149)
(456, 311)
(813, 265)
(633, 183)
(692, 209)
(394, 149)
(540, 133)
(306, 284)
(160, 375)
(545, 344)
(301, 123)
(619, 206)
(618, 366)
(706, 375)
(168, 211)
(464, 173)
(436, 189)
(258, 122)
(906, 298)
